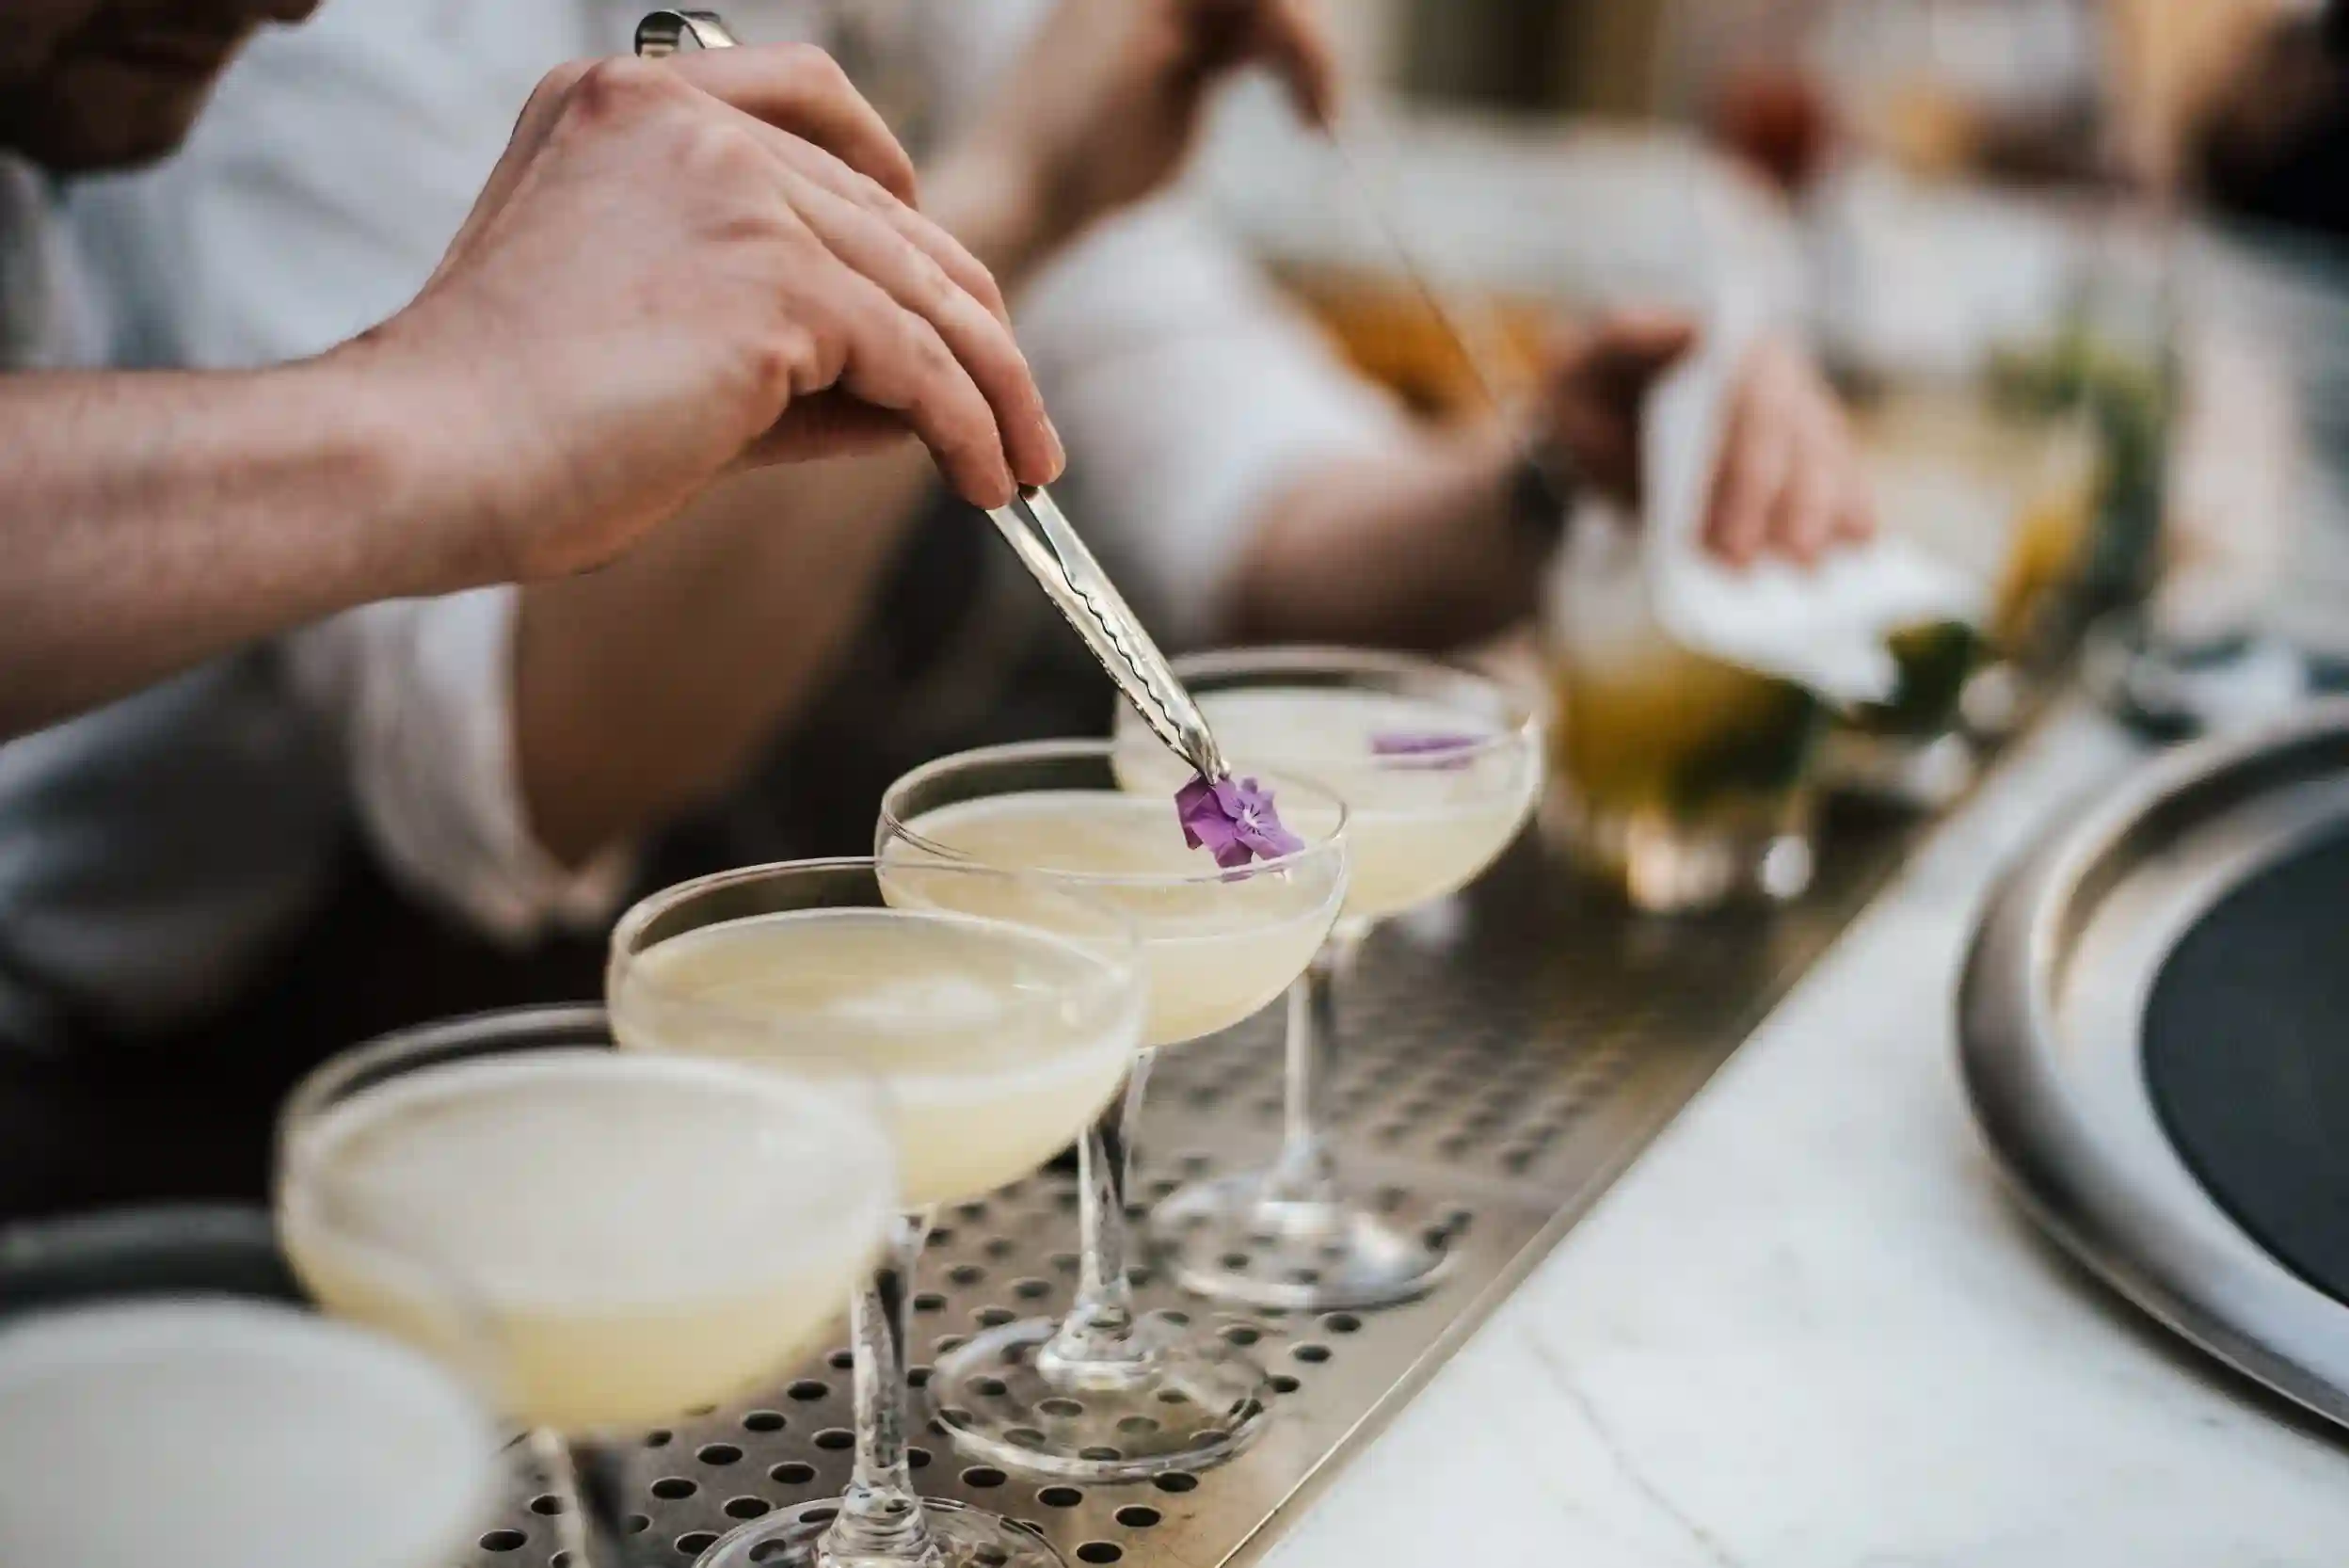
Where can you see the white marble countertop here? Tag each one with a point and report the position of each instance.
(1807, 1329)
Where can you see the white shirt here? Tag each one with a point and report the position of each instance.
(317, 195)
(47, 319)
(153, 852)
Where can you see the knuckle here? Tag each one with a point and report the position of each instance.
(969, 279)
(826, 323)
(935, 390)
(929, 289)
(930, 355)
(617, 88)
(788, 361)
(556, 86)
(814, 72)
(716, 159)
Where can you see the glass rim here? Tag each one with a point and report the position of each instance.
(1118, 950)
(581, 1026)
(1524, 726)
(325, 1084)
(893, 824)
(298, 1181)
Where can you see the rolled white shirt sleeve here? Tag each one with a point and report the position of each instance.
(419, 691)
(1189, 394)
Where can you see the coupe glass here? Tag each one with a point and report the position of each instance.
(1103, 1395)
(999, 1013)
(163, 1397)
(1439, 769)
(637, 1236)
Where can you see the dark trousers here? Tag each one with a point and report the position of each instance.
(108, 1121)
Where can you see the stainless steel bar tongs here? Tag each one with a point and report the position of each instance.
(1038, 532)
(1075, 582)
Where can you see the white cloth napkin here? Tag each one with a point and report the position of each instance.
(1823, 627)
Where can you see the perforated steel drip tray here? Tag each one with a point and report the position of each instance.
(1504, 1061)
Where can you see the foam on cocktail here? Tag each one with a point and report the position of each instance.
(219, 1433)
(632, 1237)
(996, 1044)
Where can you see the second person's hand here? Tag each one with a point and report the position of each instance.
(1789, 482)
(1106, 104)
(679, 268)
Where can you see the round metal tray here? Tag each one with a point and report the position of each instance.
(2052, 1010)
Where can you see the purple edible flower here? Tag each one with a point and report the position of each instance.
(1234, 821)
(1429, 743)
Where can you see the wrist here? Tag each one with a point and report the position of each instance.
(420, 482)
(992, 195)
(1545, 483)
(1538, 478)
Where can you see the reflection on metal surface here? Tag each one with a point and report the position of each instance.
(2051, 1024)
(2174, 691)
(1506, 1057)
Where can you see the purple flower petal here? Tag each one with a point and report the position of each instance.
(1435, 745)
(1234, 819)
(1208, 825)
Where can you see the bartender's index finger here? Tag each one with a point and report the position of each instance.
(948, 251)
(800, 88)
(980, 343)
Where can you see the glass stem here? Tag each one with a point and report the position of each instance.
(1098, 1331)
(881, 1519)
(1307, 1169)
(587, 1476)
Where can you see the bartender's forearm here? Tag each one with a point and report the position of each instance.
(654, 685)
(152, 521)
(1420, 548)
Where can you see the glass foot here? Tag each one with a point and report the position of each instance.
(966, 1538)
(1227, 1240)
(1919, 773)
(1188, 1403)
(1735, 847)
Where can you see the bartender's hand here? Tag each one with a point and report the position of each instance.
(681, 266)
(1106, 104)
(1790, 482)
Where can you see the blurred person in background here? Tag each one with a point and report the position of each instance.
(543, 401)
(516, 756)
(2274, 144)
(2012, 89)
(2057, 90)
